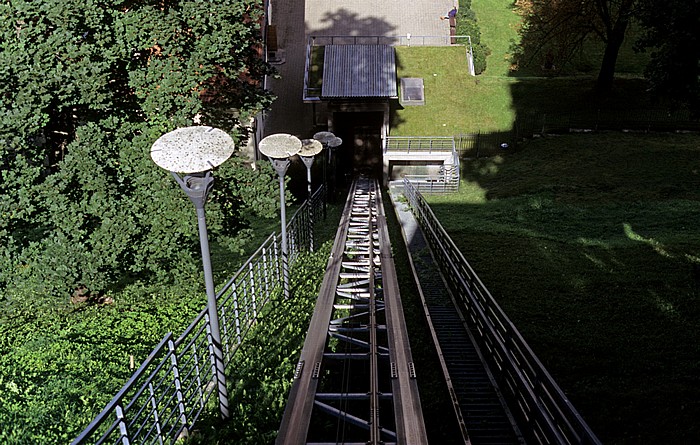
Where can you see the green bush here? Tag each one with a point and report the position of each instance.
(59, 370)
(87, 88)
(468, 25)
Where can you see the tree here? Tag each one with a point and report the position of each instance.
(554, 30)
(671, 32)
(87, 87)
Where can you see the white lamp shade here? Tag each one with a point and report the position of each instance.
(310, 147)
(280, 146)
(192, 149)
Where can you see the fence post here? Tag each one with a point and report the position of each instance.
(195, 356)
(178, 387)
(310, 218)
(156, 418)
(122, 425)
(478, 143)
(252, 290)
(237, 314)
(266, 276)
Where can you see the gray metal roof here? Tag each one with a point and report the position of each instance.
(359, 71)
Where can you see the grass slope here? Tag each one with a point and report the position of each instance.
(591, 245)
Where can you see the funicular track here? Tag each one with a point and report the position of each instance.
(355, 380)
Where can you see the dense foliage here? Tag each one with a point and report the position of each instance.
(553, 32)
(58, 371)
(262, 370)
(88, 86)
(671, 31)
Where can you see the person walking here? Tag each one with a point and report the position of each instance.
(451, 14)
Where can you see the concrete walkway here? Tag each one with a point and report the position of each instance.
(297, 19)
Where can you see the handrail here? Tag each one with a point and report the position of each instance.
(395, 40)
(164, 398)
(412, 144)
(539, 403)
(433, 183)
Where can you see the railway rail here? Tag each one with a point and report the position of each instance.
(355, 382)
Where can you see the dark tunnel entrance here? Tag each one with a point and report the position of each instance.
(361, 152)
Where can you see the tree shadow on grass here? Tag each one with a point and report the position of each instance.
(584, 241)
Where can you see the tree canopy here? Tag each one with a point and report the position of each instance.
(672, 32)
(553, 31)
(87, 87)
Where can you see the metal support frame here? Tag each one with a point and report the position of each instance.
(363, 382)
(281, 166)
(197, 187)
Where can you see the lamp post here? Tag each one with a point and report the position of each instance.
(279, 148)
(331, 141)
(194, 152)
(309, 149)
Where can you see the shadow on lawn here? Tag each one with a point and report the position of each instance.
(586, 243)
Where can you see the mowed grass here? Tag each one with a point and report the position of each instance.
(458, 103)
(591, 244)
(455, 102)
(499, 25)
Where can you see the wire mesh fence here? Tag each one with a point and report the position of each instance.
(171, 389)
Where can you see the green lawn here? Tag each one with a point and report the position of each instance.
(455, 102)
(591, 245)
(590, 242)
(499, 26)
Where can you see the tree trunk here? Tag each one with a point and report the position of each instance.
(612, 48)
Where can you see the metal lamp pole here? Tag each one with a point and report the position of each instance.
(328, 140)
(195, 151)
(332, 145)
(309, 149)
(279, 148)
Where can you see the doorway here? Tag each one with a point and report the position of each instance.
(361, 151)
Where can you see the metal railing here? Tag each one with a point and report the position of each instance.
(419, 144)
(171, 389)
(447, 179)
(431, 184)
(543, 410)
(403, 40)
(643, 120)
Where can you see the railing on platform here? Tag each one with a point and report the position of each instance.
(419, 144)
(168, 393)
(433, 184)
(396, 40)
(446, 180)
(542, 409)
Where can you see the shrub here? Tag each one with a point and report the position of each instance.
(468, 25)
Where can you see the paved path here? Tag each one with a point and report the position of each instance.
(297, 19)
